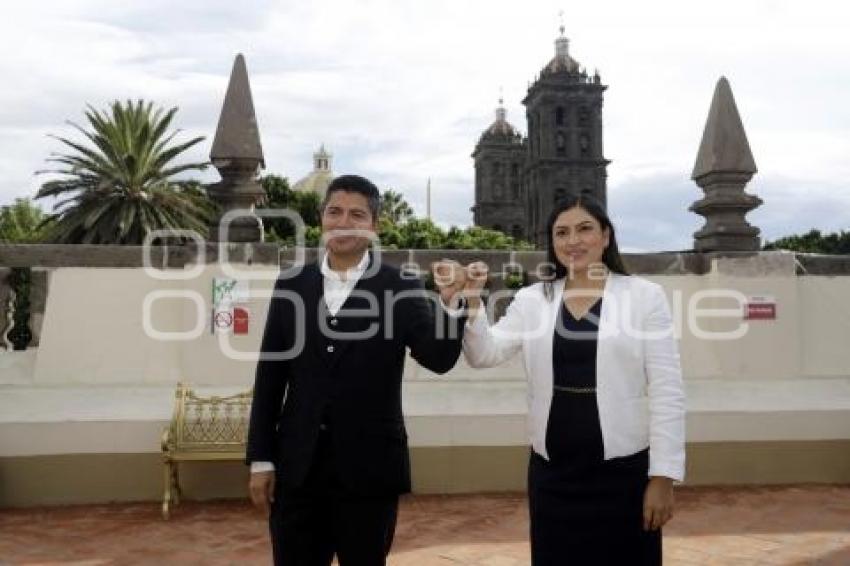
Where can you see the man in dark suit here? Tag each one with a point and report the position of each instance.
(327, 443)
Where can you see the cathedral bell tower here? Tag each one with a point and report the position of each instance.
(564, 146)
(499, 162)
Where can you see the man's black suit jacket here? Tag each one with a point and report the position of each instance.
(352, 385)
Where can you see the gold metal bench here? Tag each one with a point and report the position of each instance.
(202, 429)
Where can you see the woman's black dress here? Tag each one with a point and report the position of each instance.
(584, 509)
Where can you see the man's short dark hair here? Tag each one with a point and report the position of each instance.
(356, 184)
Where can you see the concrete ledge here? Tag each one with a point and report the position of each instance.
(99, 478)
(175, 256)
(469, 469)
(64, 479)
(91, 255)
(768, 463)
(805, 409)
(94, 444)
(99, 419)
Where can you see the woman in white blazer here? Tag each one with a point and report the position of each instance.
(606, 406)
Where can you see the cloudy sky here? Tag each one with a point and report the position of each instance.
(400, 90)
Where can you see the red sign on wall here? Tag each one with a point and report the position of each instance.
(241, 318)
(760, 308)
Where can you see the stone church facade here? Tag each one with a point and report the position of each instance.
(500, 159)
(518, 179)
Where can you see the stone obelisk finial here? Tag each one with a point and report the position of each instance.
(238, 156)
(723, 167)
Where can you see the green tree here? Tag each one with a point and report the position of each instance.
(394, 208)
(280, 196)
(484, 239)
(307, 204)
(390, 234)
(22, 222)
(420, 233)
(278, 192)
(813, 242)
(312, 236)
(122, 186)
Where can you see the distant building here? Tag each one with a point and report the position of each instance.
(500, 160)
(517, 180)
(321, 175)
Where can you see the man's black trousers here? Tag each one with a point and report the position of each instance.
(320, 519)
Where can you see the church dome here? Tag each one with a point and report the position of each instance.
(561, 62)
(321, 175)
(501, 130)
(561, 65)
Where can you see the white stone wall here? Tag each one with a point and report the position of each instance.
(98, 381)
(93, 332)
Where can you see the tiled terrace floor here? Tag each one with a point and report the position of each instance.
(723, 526)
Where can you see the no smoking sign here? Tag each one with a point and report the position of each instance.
(223, 319)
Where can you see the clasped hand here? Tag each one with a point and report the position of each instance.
(454, 281)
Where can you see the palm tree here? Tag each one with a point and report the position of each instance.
(395, 208)
(123, 187)
(21, 222)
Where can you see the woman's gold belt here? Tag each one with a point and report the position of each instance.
(575, 389)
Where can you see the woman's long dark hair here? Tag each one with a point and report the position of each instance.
(610, 257)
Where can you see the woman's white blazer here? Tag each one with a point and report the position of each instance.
(639, 388)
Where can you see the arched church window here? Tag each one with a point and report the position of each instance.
(583, 116)
(517, 231)
(559, 116)
(514, 169)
